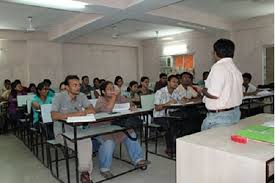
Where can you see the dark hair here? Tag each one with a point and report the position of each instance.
(40, 86)
(162, 75)
(62, 83)
(132, 83)
(83, 77)
(247, 75)
(117, 78)
(224, 48)
(70, 77)
(171, 77)
(187, 73)
(30, 86)
(143, 78)
(103, 86)
(205, 73)
(17, 81)
(47, 82)
(95, 79)
(7, 81)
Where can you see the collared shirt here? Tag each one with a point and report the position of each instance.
(225, 82)
(162, 96)
(64, 104)
(40, 102)
(188, 92)
(86, 89)
(251, 88)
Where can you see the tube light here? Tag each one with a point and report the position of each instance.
(174, 50)
(59, 4)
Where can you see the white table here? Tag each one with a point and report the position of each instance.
(211, 157)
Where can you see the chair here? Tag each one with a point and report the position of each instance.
(47, 119)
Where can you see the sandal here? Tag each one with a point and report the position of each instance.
(142, 164)
(85, 177)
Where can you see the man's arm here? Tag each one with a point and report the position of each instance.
(208, 95)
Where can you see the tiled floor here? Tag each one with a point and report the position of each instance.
(18, 164)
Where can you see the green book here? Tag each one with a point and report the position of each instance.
(258, 132)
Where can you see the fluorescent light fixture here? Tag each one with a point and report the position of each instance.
(191, 25)
(59, 4)
(174, 50)
(167, 39)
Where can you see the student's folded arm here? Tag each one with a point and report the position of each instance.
(90, 110)
(35, 105)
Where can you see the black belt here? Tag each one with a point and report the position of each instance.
(221, 110)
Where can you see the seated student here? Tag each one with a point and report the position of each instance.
(97, 82)
(248, 88)
(186, 91)
(201, 83)
(5, 92)
(40, 98)
(32, 88)
(14, 115)
(119, 85)
(144, 86)
(162, 82)
(62, 87)
(133, 91)
(164, 97)
(85, 87)
(74, 103)
(48, 84)
(106, 103)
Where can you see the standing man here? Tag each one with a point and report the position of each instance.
(223, 88)
(73, 103)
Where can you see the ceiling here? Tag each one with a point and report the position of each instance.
(14, 16)
(129, 19)
(134, 29)
(233, 10)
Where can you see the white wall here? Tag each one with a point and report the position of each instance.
(101, 61)
(250, 37)
(200, 44)
(13, 63)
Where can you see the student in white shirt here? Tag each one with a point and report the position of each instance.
(248, 88)
(164, 97)
(186, 90)
(223, 88)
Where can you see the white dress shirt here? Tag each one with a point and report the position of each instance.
(188, 92)
(163, 96)
(225, 82)
(251, 88)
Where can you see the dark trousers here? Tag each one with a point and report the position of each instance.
(170, 126)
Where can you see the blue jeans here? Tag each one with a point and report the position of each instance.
(107, 147)
(220, 119)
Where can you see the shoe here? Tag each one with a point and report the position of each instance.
(107, 174)
(85, 177)
(169, 152)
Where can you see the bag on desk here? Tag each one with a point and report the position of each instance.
(129, 123)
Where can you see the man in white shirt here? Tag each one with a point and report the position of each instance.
(163, 98)
(223, 88)
(248, 88)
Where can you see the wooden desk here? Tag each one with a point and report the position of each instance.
(211, 157)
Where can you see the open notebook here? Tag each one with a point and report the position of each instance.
(81, 119)
(121, 107)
